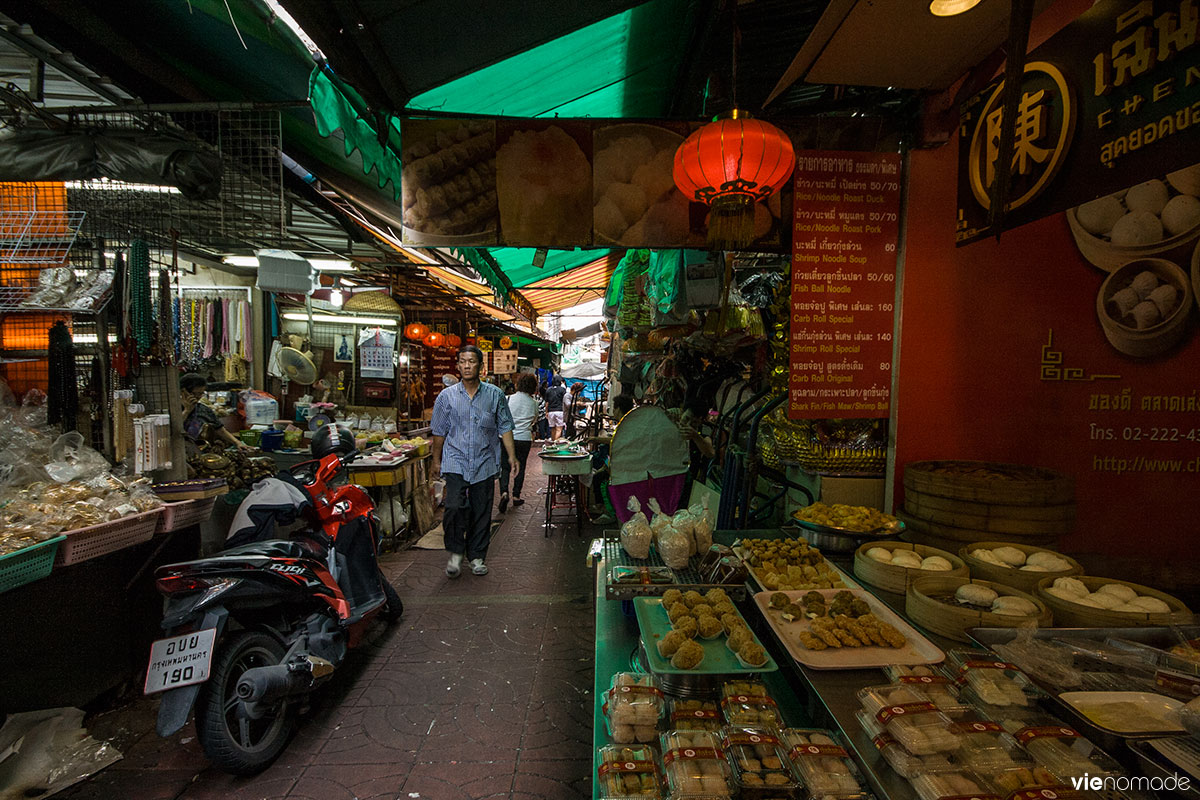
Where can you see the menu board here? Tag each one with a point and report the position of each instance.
(504, 362)
(440, 361)
(846, 222)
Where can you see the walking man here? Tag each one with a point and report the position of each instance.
(470, 422)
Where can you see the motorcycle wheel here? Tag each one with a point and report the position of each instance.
(239, 745)
(395, 606)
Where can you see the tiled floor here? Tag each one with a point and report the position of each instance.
(482, 690)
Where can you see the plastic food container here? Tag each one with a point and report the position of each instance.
(694, 765)
(822, 764)
(633, 706)
(986, 748)
(1059, 748)
(761, 770)
(693, 715)
(952, 783)
(996, 682)
(903, 762)
(933, 683)
(628, 772)
(907, 713)
(748, 704)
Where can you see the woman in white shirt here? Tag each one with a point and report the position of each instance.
(524, 410)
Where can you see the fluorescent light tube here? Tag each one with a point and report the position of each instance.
(241, 261)
(341, 320)
(332, 264)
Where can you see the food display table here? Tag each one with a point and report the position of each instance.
(564, 473)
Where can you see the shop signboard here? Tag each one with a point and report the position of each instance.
(504, 362)
(1110, 101)
(846, 224)
(441, 362)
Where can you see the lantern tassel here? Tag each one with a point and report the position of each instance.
(731, 222)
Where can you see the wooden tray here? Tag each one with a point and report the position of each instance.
(917, 650)
(718, 659)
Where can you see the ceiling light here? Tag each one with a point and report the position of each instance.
(948, 8)
(342, 320)
(241, 261)
(335, 298)
(332, 264)
(120, 186)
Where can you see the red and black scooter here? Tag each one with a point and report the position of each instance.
(263, 623)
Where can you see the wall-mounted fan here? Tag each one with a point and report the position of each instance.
(297, 366)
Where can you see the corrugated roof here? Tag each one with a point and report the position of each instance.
(571, 288)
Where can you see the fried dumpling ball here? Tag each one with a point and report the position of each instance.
(716, 596)
(692, 598)
(671, 597)
(723, 608)
(678, 610)
(738, 638)
(688, 656)
(753, 654)
(702, 610)
(669, 643)
(780, 600)
(688, 626)
(710, 626)
(732, 622)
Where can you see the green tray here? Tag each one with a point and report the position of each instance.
(28, 564)
(718, 659)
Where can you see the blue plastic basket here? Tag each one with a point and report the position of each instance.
(28, 564)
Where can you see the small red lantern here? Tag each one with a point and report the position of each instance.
(435, 339)
(453, 340)
(416, 332)
(730, 164)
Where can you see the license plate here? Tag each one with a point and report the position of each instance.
(180, 660)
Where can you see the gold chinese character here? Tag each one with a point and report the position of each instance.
(1030, 127)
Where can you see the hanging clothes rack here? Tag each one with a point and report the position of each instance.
(214, 322)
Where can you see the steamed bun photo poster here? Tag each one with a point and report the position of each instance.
(544, 182)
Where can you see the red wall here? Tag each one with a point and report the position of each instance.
(973, 324)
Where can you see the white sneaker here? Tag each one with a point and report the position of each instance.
(454, 565)
(478, 567)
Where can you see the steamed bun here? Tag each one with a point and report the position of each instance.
(1151, 605)
(1149, 196)
(1014, 606)
(937, 563)
(976, 595)
(1123, 592)
(880, 554)
(987, 556)
(1072, 586)
(1181, 213)
(1098, 216)
(1034, 568)
(1137, 227)
(1011, 556)
(1106, 600)
(906, 558)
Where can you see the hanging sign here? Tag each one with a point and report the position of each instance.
(846, 224)
(504, 362)
(377, 353)
(1108, 102)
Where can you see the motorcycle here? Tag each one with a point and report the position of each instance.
(257, 627)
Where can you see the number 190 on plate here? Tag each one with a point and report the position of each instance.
(180, 660)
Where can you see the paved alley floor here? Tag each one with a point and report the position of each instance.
(482, 690)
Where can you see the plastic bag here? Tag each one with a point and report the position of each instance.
(636, 535)
(674, 547)
(703, 522)
(684, 522)
(71, 459)
(659, 520)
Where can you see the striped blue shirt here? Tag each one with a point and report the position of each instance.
(472, 427)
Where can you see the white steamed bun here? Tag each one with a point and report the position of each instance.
(936, 563)
(1072, 586)
(1151, 605)
(1014, 606)
(880, 554)
(1010, 556)
(1105, 600)
(1123, 592)
(985, 555)
(976, 595)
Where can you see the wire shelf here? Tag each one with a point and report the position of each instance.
(12, 298)
(686, 579)
(38, 237)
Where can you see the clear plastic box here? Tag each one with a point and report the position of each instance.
(995, 681)
(822, 764)
(907, 713)
(761, 770)
(630, 773)
(633, 706)
(1059, 748)
(694, 765)
(693, 715)
(952, 783)
(903, 762)
(985, 747)
(748, 704)
(934, 683)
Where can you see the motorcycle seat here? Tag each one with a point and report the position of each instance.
(279, 548)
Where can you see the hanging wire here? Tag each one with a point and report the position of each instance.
(733, 70)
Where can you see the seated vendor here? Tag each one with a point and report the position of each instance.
(199, 421)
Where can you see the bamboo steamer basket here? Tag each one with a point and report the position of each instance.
(896, 579)
(1024, 580)
(1074, 615)
(953, 621)
(1158, 338)
(1010, 520)
(952, 537)
(1108, 256)
(989, 482)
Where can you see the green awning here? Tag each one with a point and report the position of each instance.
(517, 263)
(623, 66)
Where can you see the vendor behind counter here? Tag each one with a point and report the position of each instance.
(199, 421)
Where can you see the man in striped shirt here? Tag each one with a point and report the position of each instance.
(470, 422)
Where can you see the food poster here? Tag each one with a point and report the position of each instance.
(846, 225)
(448, 182)
(636, 202)
(442, 366)
(544, 182)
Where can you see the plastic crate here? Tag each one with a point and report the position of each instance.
(184, 513)
(28, 564)
(107, 537)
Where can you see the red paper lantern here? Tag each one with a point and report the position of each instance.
(730, 164)
(435, 339)
(453, 340)
(416, 331)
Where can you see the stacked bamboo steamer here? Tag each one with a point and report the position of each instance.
(949, 503)
(1014, 576)
(929, 602)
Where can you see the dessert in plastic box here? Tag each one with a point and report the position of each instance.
(693, 715)
(910, 716)
(628, 772)
(694, 765)
(823, 766)
(995, 681)
(748, 704)
(903, 762)
(761, 770)
(1059, 748)
(952, 783)
(633, 706)
(933, 683)
(986, 748)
